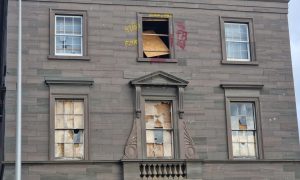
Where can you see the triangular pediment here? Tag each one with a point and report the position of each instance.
(159, 78)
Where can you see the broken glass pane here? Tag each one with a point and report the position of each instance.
(59, 136)
(236, 149)
(78, 122)
(59, 107)
(243, 149)
(59, 150)
(59, 122)
(78, 107)
(69, 150)
(158, 137)
(69, 121)
(78, 136)
(69, 136)
(68, 107)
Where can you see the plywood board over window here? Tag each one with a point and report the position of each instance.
(159, 129)
(155, 38)
(69, 129)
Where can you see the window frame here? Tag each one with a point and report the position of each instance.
(257, 122)
(53, 98)
(171, 47)
(175, 137)
(52, 54)
(249, 22)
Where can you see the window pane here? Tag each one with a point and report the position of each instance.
(59, 122)
(78, 136)
(68, 25)
(68, 107)
(78, 151)
(59, 25)
(235, 136)
(149, 136)
(236, 149)
(69, 121)
(243, 136)
(69, 136)
(69, 150)
(244, 149)
(252, 150)
(78, 122)
(59, 136)
(251, 136)
(167, 143)
(59, 150)
(77, 25)
(78, 107)
(59, 107)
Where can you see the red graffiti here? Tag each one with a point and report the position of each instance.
(181, 35)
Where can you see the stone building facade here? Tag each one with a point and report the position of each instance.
(137, 89)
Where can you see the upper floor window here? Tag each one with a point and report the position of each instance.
(237, 41)
(68, 35)
(155, 37)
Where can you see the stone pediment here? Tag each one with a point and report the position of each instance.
(159, 78)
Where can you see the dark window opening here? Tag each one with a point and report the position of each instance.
(156, 38)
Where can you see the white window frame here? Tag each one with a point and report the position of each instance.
(81, 35)
(248, 42)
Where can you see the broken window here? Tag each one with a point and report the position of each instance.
(69, 129)
(243, 129)
(156, 37)
(159, 129)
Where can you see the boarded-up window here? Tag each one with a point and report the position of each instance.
(243, 127)
(156, 37)
(159, 129)
(69, 129)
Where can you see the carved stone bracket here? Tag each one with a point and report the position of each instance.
(180, 102)
(131, 145)
(190, 151)
(138, 101)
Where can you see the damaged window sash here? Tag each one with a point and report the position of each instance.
(69, 129)
(159, 129)
(155, 38)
